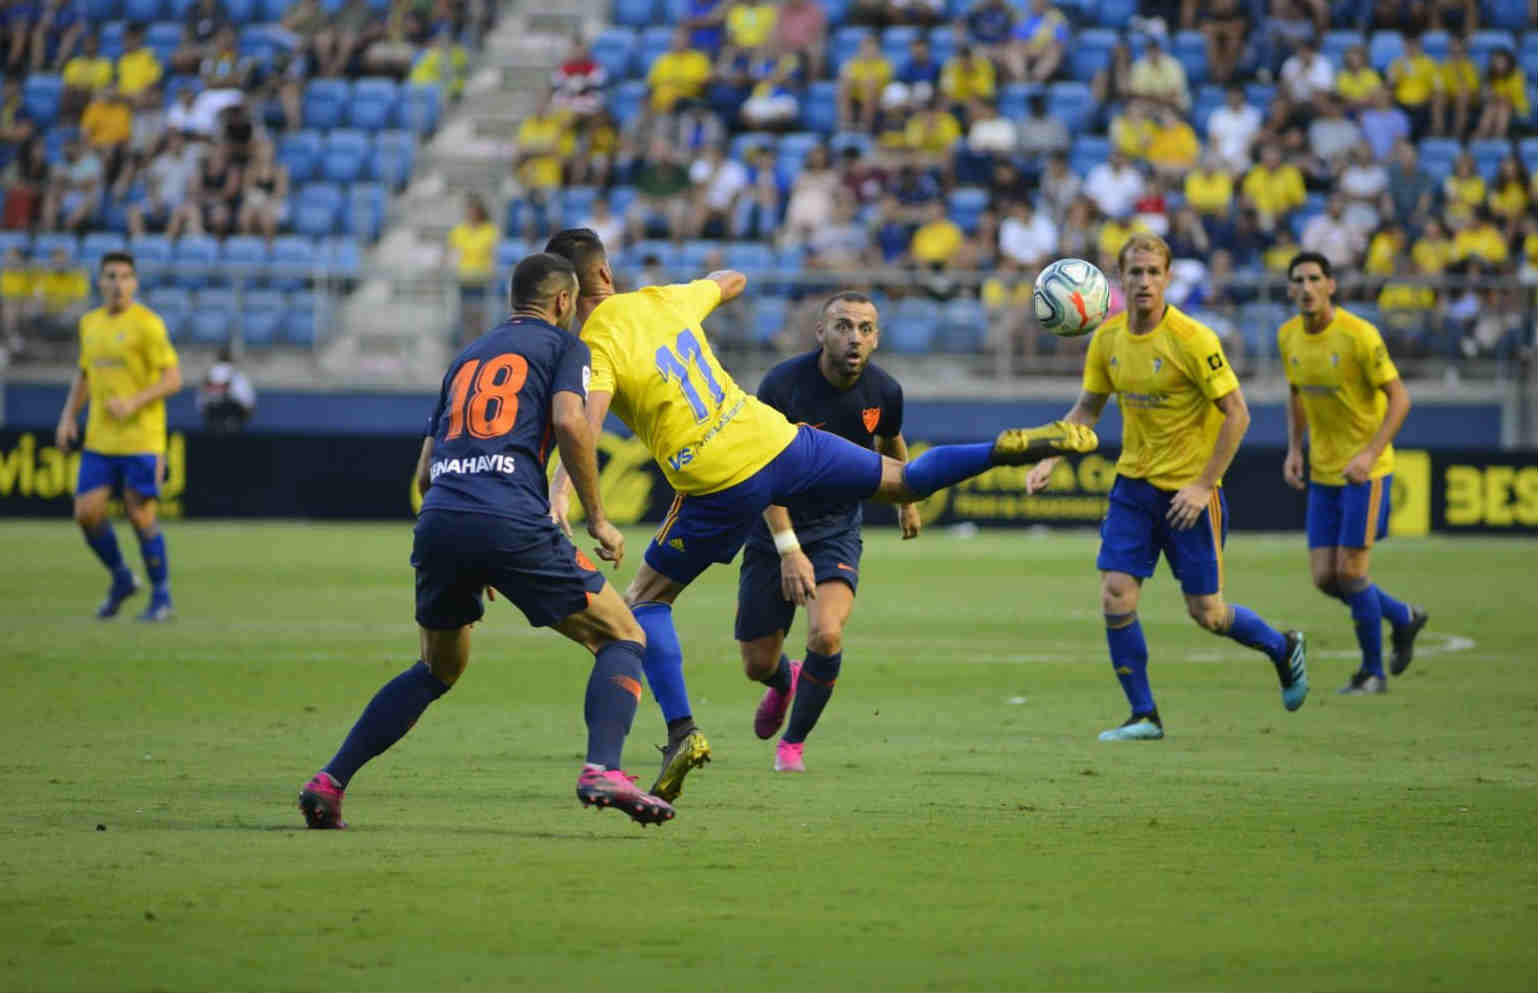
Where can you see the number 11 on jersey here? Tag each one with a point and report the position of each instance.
(672, 367)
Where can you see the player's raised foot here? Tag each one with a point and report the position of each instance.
(1364, 684)
(1138, 727)
(1403, 640)
(1023, 446)
(124, 585)
(158, 610)
(612, 788)
(771, 709)
(678, 758)
(1292, 671)
(787, 756)
(321, 803)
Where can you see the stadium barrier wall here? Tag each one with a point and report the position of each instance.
(351, 477)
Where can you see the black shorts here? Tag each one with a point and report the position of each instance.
(533, 564)
(762, 609)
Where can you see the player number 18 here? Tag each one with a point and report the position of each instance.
(672, 367)
(493, 408)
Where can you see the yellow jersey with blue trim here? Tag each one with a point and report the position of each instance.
(120, 355)
(1338, 374)
(649, 351)
(1166, 382)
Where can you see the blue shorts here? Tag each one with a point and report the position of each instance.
(762, 609)
(701, 530)
(1353, 515)
(140, 473)
(532, 563)
(1136, 529)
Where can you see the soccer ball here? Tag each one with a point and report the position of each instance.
(1071, 297)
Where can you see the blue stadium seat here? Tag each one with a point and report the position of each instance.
(164, 37)
(343, 156)
(302, 325)
(272, 10)
(1206, 99)
(421, 106)
(365, 210)
(213, 317)
(181, 81)
(1015, 99)
(1335, 44)
(742, 141)
(393, 158)
(635, 13)
(323, 103)
(103, 10)
(1483, 43)
(340, 257)
(1115, 13)
(1071, 103)
(510, 251)
(837, 10)
(179, 8)
(1190, 49)
(194, 257)
(797, 144)
(98, 243)
(239, 11)
(912, 326)
(576, 204)
(1488, 153)
(625, 101)
(749, 257)
(293, 261)
(1090, 52)
(1258, 323)
(152, 256)
(851, 139)
(1527, 151)
(244, 258)
(14, 239)
(1436, 44)
(613, 49)
(1088, 151)
(110, 37)
(691, 258)
(374, 104)
(1527, 55)
(895, 41)
(262, 45)
(44, 245)
(770, 317)
(300, 152)
(620, 199)
(965, 206)
(963, 327)
(1437, 156)
(1508, 14)
(666, 252)
(652, 43)
(261, 317)
(174, 305)
(40, 96)
(317, 208)
(1385, 47)
(846, 41)
(819, 111)
(1260, 96)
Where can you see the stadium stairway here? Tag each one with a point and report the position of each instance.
(380, 327)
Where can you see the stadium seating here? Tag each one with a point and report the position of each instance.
(293, 262)
(193, 258)
(911, 328)
(174, 306)
(324, 102)
(261, 318)
(243, 257)
(44, 245)
(214, 316)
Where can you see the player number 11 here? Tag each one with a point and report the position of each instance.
(672, 367)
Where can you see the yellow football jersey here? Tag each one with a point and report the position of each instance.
(1338, 374)
(650, 353)
(1166, 382)
(120, 355)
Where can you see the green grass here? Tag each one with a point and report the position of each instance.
(960, 826)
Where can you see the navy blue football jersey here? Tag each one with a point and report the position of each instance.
(491, 429)
(872, 406)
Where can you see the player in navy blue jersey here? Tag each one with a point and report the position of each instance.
(485, 525)
(807, 553)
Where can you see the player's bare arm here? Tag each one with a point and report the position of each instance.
(424, 466)
(1190, 502)
(798, 580)
(579, 457)
(69, 429)
(560, 486)
(1297, 425)
(907, 513)
(1359, 469)
(732, 283)
(125, 407)
(1086, 410)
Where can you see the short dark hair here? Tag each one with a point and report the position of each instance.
(540, 277)
(122, 257)
(846, 296)
(582, 248)
(1314, 257)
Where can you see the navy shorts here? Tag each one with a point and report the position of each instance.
(140, 473)
(701, 530)
(1136, 530)
(762, 609)
(532, 563)
(1350, 516)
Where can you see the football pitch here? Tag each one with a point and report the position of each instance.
(960, 827)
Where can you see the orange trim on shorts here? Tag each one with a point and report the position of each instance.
(668, 521)
(628, 685)
(1374, 505)
(1215, 520)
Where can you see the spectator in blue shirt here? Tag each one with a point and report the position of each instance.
(1039, 42)
(921, 73)
(58, 31)
(990, 23)
(705, 20)
(1384, 125)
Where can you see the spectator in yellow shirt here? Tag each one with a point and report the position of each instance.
(968, 75)
(1159, 76)
(1209, 188)
(1460, 84)
(1114, 233)
(1464, 190)
(472, 250)
(1357, 79)
(106, 126)
(1173, 149)
(931, 133)
(1132, 131)
(678, 74)
(1416, 80)
(860, 83)
(15, 299)
(1274, 188)
(1384, 251)
(83, 75)
(63, 290)
(1508, 199)
(1479, 240)
(444, 63)
(545, 140)
(1407, 305)
(937, 240)
(1432, 251)
(138, 68)
(751, 24)
(1505, 96)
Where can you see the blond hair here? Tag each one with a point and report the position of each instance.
(1147, 242)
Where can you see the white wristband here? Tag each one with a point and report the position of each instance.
(785, 542)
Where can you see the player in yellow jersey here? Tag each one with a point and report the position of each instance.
(127, 369)
(1183, 416)
(1347, 396)
(729, 456)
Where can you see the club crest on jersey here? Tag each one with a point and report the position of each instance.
(870, 417)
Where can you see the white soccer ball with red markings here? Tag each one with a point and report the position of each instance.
(1071, 297)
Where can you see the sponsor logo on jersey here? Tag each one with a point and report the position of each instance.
(473, 464)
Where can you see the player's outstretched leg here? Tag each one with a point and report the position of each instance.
(947, 465)
(1367, 617)
(770, 714)
(613, 690)
(96, 528)
(1404, 634)
(1286, 650)
(814, 688)
(1129, 660)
